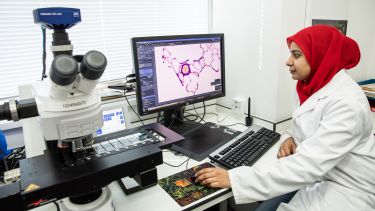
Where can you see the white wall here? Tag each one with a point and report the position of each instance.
(361, 27)
(293, 20)
(255, 53)
(254, 65)
(371, 69)
(240, 22)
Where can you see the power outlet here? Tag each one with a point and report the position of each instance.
(238, 105)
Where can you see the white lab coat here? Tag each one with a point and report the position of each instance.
(334, 163)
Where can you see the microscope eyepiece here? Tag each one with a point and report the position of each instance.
(64, 70)
(93, 65)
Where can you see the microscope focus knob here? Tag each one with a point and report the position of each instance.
(93, 65)
(64, 70)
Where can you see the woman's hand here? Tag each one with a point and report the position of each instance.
(213, 177)
(288, 147)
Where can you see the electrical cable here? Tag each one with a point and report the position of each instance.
(20, 152)
(188, 121)
(4, 161)
(44, 52)
(219, 121)
(187, 160)
(173, 118)
(57, 205)
(5, 164)
(204, 113)
(126, 98)
(191, 115)
(238, 123)
(158, 118)
(176, 154)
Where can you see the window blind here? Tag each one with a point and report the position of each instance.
(106, 26)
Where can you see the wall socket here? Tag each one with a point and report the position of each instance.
(238, 105)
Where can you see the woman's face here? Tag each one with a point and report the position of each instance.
(297, 63)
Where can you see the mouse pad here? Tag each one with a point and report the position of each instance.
(182, 188)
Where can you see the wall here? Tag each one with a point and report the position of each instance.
(371, 70)
(256, 51)
(293, 19)
(361, 21)
(254, 37)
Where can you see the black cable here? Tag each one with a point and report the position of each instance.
(239, 123)
(187, 160)
(5, 164)
(44, 57)
(172, 151)
(11, 162)
(57, 205)
(4, 161)
(126, 98)
(158, 118)
(217, 117)
(176, 154)
(204, 113)
(23, 155)
(187, 163)
(191, 115)
(18, 161)
(188, 121)
(173, 118)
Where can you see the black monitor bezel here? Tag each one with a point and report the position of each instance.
(134, 42)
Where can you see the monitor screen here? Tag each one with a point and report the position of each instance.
(173, 71)
(113, 121)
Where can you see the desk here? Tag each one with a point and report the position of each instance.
(155, 198)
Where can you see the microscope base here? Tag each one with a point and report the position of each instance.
(102, 203)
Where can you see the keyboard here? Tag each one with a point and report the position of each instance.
(245, 148)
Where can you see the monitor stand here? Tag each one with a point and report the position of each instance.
(200, 139)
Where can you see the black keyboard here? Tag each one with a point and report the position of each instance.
(246, 148)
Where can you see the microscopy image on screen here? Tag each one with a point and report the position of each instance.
(187, 70)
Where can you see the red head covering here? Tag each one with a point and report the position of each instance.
(327, 51)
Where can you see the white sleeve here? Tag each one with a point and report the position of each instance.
(338, 133)
(286, 134)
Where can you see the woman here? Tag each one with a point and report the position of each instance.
(328, 155)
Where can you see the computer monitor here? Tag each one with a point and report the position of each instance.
(175, 71)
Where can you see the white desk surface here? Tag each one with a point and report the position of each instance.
(155, 198)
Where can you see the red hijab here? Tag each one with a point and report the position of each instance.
(327, 51)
